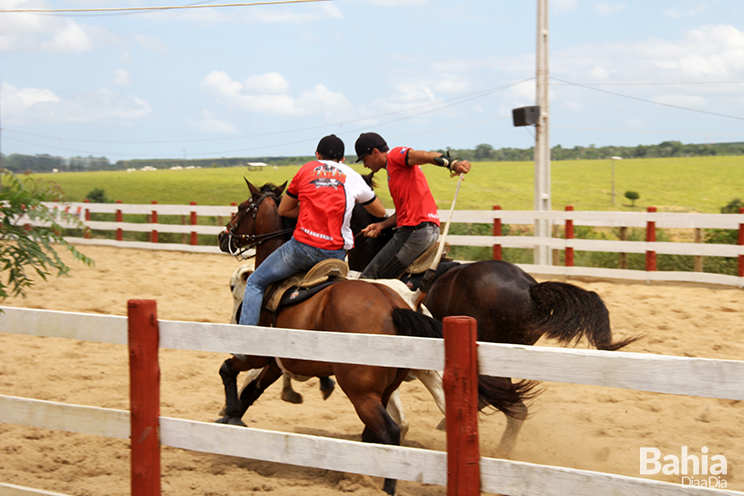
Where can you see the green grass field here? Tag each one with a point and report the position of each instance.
(697, 184)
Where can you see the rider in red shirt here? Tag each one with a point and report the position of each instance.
(415, 215)
(321, 196)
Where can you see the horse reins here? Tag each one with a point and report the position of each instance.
(251, 240)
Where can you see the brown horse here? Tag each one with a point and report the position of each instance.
(509, 305)
(347, 306)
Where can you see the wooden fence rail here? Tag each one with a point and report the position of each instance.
(676, 375)
(651, 221)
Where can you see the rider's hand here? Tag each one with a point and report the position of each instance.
(372, 230)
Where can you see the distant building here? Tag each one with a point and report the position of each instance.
(255, 165)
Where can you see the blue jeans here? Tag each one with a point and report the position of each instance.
(290, 258)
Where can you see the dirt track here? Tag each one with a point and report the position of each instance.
(591, 428)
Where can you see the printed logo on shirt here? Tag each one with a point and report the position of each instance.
(317, 235)
(328, 176)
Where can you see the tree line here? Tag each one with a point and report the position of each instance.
(482, 153)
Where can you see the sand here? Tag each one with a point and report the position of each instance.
(585, 427)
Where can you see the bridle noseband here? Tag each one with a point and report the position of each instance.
(249, 240)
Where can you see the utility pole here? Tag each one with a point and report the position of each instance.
(542, 140)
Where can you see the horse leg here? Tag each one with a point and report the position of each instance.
(250, 375)
(326, 386)
(395, 410)
(513, 425)
(379, 427)
(432, 380)
(288, 394)
(236, 405)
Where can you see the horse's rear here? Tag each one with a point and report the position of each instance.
(362, 308)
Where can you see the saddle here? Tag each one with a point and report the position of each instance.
(303, 285)
(424, 261)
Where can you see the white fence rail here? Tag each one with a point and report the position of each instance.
(662, 220)
(676, 375)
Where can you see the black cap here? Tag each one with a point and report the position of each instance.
(331, 147)
(368, 142)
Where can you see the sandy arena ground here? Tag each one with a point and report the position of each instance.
(584, 427)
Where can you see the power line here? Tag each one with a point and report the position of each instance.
(649, 101)
(669, 83)
(143, 9)
(439, 105)
(642, 131)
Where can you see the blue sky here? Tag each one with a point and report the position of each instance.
(269, 80)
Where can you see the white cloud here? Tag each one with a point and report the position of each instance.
(715, 52)
(269, 94)
(609, 8)
(46, 33)
(24, 106)
(208, 123)
(269, 83)
(121, 77)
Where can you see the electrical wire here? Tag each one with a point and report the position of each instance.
(437, 106)
(679, 107)
(144, 9)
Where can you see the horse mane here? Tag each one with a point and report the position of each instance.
(370, 179)
(267, 188)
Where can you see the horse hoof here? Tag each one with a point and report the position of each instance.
(291, 396)
(326, 386)
(230, 421)
(442, 426)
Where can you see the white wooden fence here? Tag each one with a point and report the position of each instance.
(661, 220)
(647, 372)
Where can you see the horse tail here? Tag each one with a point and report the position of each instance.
(497, 392)
(566, 312)
(410, 323)
(506, 396)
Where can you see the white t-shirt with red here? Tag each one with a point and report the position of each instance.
(412, 197)
(327, 192)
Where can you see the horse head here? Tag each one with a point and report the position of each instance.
(255, 221)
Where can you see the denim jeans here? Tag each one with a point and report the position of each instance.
(290, 258)
(400, 252)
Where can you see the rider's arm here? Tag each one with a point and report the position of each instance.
(418, 157)
(375, 208)
(289, 206)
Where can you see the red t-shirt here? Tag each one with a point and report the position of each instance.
(327, 192)
(412, 197)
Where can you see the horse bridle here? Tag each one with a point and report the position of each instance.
(250, 240)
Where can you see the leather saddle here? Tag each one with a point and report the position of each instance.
(301, 286)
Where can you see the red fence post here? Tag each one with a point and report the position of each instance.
(460, 383)
(86, 232)
(650, 238)
(194, 236)
(154, 220)
(569, 235)
(119, 218)
(497, 232)
(741, 243)
(144, 394)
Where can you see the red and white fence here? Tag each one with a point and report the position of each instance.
(645, 372)
(650, 220)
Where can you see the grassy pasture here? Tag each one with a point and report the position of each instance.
(696, 184)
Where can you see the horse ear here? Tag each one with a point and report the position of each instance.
(280, 189)
(254, 190)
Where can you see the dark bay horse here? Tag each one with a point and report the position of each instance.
(509, 305)
(347, 306)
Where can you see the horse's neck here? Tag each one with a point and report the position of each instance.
(271, 224)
